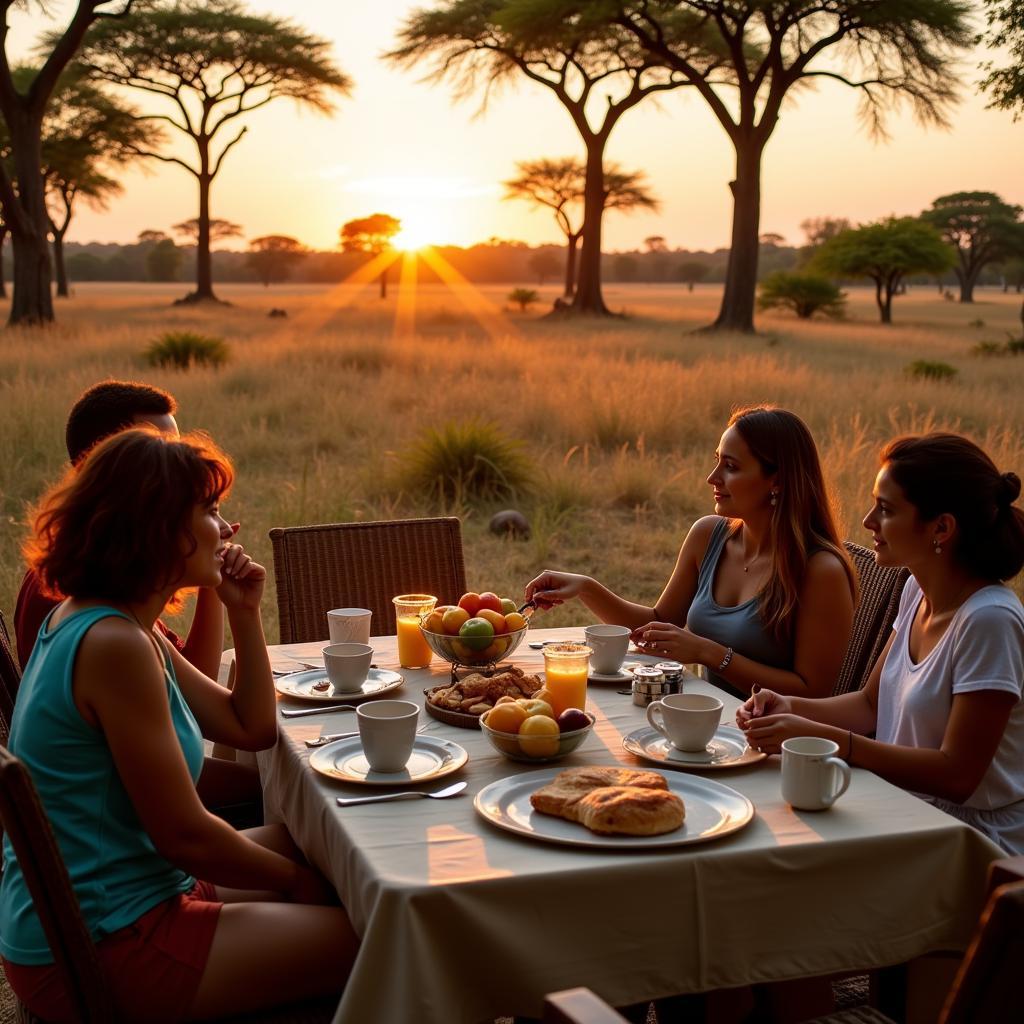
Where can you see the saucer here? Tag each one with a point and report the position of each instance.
(727, 749)
(431, 758)
(624, 675)
(304, 685)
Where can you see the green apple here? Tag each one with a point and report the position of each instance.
(476, 634)
(508, 605)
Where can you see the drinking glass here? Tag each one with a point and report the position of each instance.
(413, 649)
(566, 668)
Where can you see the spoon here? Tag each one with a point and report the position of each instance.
(406, 794)
(302, 712)
(331, 737)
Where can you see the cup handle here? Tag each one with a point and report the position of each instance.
(844, 774)
(658, 726)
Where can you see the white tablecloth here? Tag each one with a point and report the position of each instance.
(461, 922)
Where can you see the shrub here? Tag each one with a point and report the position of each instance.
(989, 348)
(523, 296)
(931, 370)
(1015, 346)
(184, 349)
(468, 461)
(805, 294)
(976, 323)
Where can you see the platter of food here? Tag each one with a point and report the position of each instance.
(614, 808)
(463, 702)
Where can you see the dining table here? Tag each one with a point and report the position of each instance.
(463, 921)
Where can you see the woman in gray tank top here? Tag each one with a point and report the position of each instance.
(762, 592)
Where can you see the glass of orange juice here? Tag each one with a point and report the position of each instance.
(413, 650)
(566, 667)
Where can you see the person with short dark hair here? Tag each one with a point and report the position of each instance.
(944, 701)
(192, 920)
(105, 409)
(763, 591)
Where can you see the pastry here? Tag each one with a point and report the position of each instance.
(629, 811)
(570, 786)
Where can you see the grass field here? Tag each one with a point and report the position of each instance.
(619, 419)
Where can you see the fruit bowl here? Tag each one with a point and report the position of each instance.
(456, 650)
(546, 748)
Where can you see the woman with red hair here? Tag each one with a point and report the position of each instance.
(191, 919)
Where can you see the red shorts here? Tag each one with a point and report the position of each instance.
(152, 968)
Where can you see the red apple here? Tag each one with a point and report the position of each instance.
(490, 601)
(470, 601)
(572, 719)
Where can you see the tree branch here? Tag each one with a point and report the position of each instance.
(224, 151)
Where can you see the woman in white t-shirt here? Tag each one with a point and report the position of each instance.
(945, 697)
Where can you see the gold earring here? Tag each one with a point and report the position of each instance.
(938, 548)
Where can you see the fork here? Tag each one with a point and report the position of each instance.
(406, 794)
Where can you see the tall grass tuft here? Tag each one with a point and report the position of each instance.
(181, 350)
(931, 369)
(461, 463)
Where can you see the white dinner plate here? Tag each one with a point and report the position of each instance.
(304, 685)
(727, 749)
(712, 811)
(432, 758)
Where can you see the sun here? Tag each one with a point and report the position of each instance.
(419, 230)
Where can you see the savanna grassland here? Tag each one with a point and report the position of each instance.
(618, 419)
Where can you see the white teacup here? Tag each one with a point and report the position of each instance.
(687, 720)
(609, 645)
(813, 777)
(387, 729)
(347, 666)
(349, 625)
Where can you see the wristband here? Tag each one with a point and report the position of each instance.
(724, 663)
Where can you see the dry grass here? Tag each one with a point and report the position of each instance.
(620, 418)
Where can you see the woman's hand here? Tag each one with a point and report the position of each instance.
(553, 588)
(767, 732)
(672, 642)
(761, 703)
(242, 580)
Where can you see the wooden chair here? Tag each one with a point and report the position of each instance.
(10, 679)
(880, 590)
(986, 988)
(362, 565)
(25, 822)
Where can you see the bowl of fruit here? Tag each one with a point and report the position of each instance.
(480, 630)
(527, 729)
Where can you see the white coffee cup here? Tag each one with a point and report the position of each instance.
(609, 644)
(347, 666)
(687, 720)
(387, 729)
(813, 777)
(349, 625)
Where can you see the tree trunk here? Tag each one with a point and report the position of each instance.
(60, 271)
(570, 265)
(204, 261)
(967, 281)
(588, 298)
(737, 311)
(3, 284)
(384, 283)
(689, 286)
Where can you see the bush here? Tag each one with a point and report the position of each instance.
(931, 370)
(1015, 346)
(523, 296)
(805, 294)
(462, 462)
(989, 348)
(185, 349)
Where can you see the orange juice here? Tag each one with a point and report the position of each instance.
(567, 686)
(566, 668)
(413, 651)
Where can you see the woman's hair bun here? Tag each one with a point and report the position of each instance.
(1011, 487)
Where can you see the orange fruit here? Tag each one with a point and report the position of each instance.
(506, 717)
(543, 694)
(453, 620)
(434, 622)
(538, 736)
(514, 621)
(496, 619)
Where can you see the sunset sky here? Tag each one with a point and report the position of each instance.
(405, 147)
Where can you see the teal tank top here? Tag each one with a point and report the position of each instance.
(737, 626)
(116, 872)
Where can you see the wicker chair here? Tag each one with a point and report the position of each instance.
(880, 589)
(986, 988)
(365, 565)
(10, 679)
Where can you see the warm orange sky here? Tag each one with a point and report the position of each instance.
(407, 148)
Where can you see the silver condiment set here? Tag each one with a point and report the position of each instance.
(652, 682)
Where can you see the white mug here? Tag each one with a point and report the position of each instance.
(347, 666)
(687, 720)
(813, 778)
(349, 625)
(609, 645)
(387, 729)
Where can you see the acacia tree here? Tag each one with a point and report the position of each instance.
(596, 73)
(981, 228)
(1005, 30)
(560, 185)
(23, 196)
(272, 256)
(886, 253)
(889, 50)
(211, 62)
(217, 229)
(371, 235)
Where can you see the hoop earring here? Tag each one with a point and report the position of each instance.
(938, 548)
